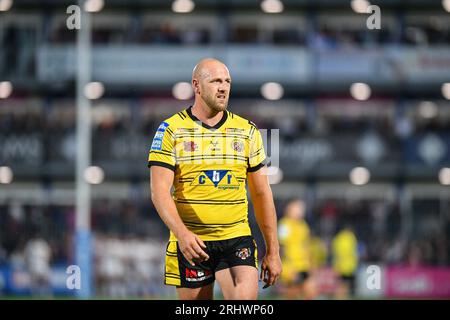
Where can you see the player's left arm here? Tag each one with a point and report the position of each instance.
(266, 217)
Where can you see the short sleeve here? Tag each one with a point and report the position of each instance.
(257, 156)
(162, 151)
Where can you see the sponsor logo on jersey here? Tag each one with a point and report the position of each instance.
(234, 130)
(237, 145)
(214, 145)
(222, 179)
(190, 146)
(157, 144)
(163, 126)
(157, 140)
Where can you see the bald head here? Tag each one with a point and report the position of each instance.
(204, 68)
(211, 83)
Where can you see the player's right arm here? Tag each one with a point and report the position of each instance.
(190, 244)
(161, 161)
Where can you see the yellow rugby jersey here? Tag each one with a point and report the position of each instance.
(345, 253)
(210, 167)
(294, 238)
(318, 252)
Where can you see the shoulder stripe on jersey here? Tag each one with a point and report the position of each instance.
(255, 154)
(182, 116)
(252, 129)
(251, 123)
(169, 131)
(251, 154)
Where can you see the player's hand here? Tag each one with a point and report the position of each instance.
(191, 246)
(270, 269)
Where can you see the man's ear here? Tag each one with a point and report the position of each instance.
(196, 86)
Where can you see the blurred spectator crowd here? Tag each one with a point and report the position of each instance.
(329, 34)
(130, 235)
(332, 116)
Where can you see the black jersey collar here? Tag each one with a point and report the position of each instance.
(204, 125)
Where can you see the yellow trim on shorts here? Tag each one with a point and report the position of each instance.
(256, 254)
(172, 271)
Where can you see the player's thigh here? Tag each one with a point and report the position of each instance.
(238, 282)
(202, 293)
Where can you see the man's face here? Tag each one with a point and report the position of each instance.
(215, 85)
(296, 210)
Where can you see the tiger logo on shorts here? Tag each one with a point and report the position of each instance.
(244, 253)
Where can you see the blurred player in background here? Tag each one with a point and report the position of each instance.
(319, 252)
(295, 241)
(37, 258)
(345, 261)
(207, 154)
